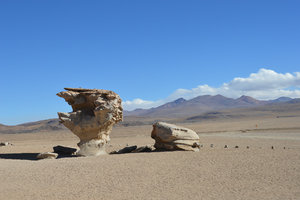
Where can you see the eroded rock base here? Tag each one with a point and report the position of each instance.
(91, 148)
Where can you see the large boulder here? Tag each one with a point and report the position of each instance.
(94, 113)
(171, 137)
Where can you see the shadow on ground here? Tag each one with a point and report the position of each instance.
(19, 156)
(27, 156)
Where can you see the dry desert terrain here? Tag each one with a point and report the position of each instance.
(257, 172)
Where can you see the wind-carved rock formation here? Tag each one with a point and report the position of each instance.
(172, 137)
(94, 113)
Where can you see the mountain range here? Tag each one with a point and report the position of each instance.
(194, 110)
(201, 104)
(32, 127)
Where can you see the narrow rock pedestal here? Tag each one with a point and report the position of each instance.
(94, 113)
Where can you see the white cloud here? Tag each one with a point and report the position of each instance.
(265, 79)
(264, 85)
(140, 103)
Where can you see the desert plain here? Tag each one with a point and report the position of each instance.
(248, 169)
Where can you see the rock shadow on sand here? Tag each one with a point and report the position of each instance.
(19, 156)
(27, 156)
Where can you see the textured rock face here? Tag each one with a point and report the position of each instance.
(172, 137)
(94, 114)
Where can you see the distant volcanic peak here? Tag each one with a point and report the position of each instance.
(171, 104)
(180, 100)
(248, 99)
(245, 97)
(220, 97)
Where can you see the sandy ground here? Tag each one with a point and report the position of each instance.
(213, 173)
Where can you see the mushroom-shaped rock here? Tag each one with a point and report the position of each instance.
(94, 113)
(171, 137)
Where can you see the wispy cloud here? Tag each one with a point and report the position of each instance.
(264, 85)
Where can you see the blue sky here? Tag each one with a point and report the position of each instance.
(148, 51)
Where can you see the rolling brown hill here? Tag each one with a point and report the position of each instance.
(38, 126)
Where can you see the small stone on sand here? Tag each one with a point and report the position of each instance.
(47, 155)
(5, 144)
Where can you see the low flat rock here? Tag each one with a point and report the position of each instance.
(61, 150)
(172, 137)
(142, 149)
(5, 144)
(125, 150)
(47, 155)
